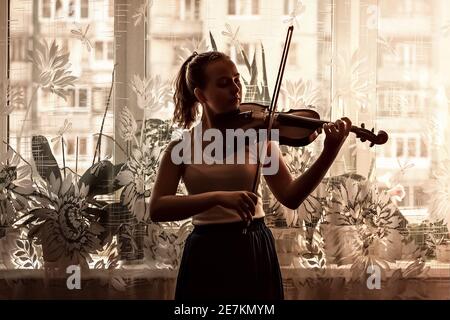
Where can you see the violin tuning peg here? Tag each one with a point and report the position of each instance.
(373, 130)
(363, 125)
(372, 144)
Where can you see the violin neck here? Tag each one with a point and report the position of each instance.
(299, 121)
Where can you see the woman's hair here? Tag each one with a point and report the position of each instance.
(191, 76)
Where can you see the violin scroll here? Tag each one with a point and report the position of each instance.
(363, 134)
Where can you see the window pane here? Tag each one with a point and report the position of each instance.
(99, 50)
(99, 99)
(70, 97)
(232, 7)
(71, 12)
(400, 144)
(255, 6)
(411, 147)
(423, 148)
(82, 97)
(70, 142)
(82, 146)
(84, 11)
(46, 9)
(197, 10)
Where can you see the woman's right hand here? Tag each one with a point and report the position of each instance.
(244, 202)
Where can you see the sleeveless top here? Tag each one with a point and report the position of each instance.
(204, 177)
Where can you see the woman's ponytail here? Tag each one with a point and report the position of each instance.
(191, 76)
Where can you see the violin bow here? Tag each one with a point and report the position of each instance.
(273, 102)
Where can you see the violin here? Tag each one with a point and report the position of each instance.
(297, 128)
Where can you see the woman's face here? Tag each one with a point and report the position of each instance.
(223, 86)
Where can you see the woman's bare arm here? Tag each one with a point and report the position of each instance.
(165, 205)
(291, 193)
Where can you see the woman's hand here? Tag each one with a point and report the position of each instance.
(336, 133)
(244, 202)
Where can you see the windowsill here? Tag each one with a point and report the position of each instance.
(139, 282)
(437, 270)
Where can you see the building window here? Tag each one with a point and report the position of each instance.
(243, 7)
(406, 200)
(46, 9)
(60, 9)
(99, 98)
(104, 50)
(423, 148)
(71, 10)
(82, 98)
(189, 9)
(84, 9)
(420, 198)
(77, 97)
(82, 146)
(70, 97)
(232, 7)
(18, 49)
(70, 146)
(412, 147)
(399, 145)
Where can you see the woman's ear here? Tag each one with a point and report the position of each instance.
(199, 95)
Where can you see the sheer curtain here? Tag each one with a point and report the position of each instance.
(78, 70)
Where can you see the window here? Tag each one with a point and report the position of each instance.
(99, 99)
(82, 98)
(406, 200)
(423, 148)
(420, 197)
(82, 146)
(406, 53)
(70, 146)
(70, 97)
(104, 50)
(77, 98)
(231, 7)
(63, 9)
(400, 144)
(46, 8)
(19, 49)
(71, 12)
(243, 7)
(411, 147)
(84, 9)
(189, 9)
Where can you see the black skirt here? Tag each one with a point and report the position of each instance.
(223, 262)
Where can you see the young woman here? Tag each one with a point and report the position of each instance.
(231, 253)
